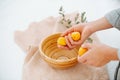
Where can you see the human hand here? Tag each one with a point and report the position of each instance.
(98, 54)
(84, 30)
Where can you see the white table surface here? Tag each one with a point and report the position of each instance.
(18, 14)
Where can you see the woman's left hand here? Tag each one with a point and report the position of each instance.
(98, 54)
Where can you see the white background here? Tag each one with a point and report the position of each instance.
(18, 14)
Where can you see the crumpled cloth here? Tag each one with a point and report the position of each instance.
(35, 68)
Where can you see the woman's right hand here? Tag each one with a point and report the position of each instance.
(85, 31)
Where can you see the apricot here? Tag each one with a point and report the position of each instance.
(82, 51)
(75, 36)
(61, 41)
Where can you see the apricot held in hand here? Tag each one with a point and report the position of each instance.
(75, 36)
(61, 41)
(82, 51)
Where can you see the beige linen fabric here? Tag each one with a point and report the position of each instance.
(35, 68)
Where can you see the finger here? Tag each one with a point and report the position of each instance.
(82, 59)
(68, 42)
(86, 45)
(63, 47)
(85, 56)
(84, 35)
(76, 43)
(68, 31)
(70, 39)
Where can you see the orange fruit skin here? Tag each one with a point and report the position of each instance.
(61, 41)
(75, 36)
(82, 51)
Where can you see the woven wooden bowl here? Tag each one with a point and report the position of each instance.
(56, 57)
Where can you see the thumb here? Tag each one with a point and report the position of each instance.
(86, 45)
(68, 31)
(83, 58)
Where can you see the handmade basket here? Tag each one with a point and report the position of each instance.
(56, 57)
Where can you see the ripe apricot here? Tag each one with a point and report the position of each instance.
(75, 36)
(61, 41)
(82, 51)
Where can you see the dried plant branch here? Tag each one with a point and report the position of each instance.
(77, 18)
(64, 21)
(83, 17)
(67, 22)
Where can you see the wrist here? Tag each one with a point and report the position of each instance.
(90, 26)
(114, 54)
(99, 24)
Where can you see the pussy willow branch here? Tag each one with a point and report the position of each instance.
(67, 22)
(78, 19)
